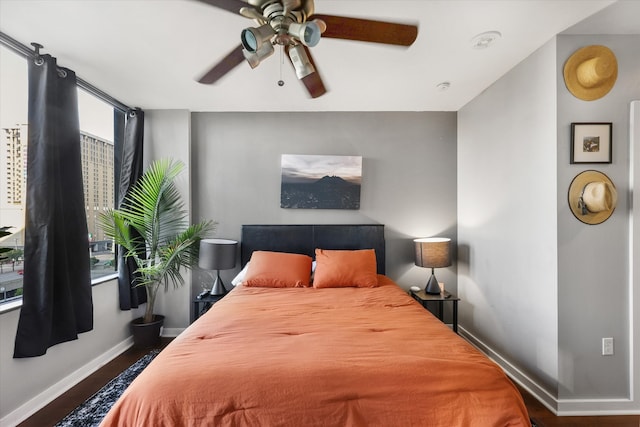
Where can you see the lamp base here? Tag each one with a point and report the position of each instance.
(218, 287)
(432, 287)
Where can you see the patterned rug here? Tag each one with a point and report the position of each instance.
(94, 409)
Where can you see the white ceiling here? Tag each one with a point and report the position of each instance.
(147, 53)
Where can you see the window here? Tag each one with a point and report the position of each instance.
(96, 139)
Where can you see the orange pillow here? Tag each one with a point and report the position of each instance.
(341, 269)
(278, 270)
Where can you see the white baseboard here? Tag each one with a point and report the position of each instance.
(47, 396)
(559, 407)
(543, 396)
(171, 332)
(584, 407)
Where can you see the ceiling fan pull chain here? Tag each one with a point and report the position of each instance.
(281, 82)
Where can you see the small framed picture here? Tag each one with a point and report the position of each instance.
(591, 143)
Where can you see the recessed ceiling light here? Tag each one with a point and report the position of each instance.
(486, 39)
(442, 86)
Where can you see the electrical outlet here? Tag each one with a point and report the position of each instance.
(607, 346)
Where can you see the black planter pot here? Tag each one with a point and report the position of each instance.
(146, 335)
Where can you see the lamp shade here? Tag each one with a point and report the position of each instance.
(433, 252)
(217, 254)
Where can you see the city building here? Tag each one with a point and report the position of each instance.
(97, 178)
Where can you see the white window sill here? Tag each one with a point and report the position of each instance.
(17, 303)
(11, 305)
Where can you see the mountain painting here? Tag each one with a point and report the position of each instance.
(320, 182)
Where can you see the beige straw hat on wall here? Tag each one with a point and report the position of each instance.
(592, 197)
(590, 72)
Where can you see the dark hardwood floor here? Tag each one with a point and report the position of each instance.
(59, 408)
(68, 401)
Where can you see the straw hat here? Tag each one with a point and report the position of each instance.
(592, 197)
(591, 72)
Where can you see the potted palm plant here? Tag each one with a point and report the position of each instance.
(152, 228)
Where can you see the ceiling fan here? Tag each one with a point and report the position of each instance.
(295, 26)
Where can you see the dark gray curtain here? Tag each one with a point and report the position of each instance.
(57, 303)
(129, 135)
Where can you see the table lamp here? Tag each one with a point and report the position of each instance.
(433, 252)
(217, 254)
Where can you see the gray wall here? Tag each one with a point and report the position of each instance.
(168, 135)
(594, 274)
(408, 184)
(540, 289)
(507, 219)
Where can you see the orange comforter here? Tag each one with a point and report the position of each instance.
(319, 357)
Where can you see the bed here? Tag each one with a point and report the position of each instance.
(319, 356)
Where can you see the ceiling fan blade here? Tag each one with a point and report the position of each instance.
(314, 85)
(233, 6)
(367, 30)
(228, 63)
(313, 82)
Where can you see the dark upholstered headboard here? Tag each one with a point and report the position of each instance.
(304, 239)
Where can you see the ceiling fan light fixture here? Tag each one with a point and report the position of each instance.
(308, 32)
(254, 38)
(255, 58)
(301, 62)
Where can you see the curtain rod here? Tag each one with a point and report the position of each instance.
(24, 51)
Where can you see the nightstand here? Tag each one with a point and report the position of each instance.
(201, 305)
(424, 299)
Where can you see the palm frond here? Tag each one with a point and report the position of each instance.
(183, 251)
(154, 204)
(154, 208)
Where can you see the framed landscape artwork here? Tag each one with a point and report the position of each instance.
(320, 182)
(591, 143)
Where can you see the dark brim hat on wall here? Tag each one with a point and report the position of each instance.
(590, 72)
(592, 197)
